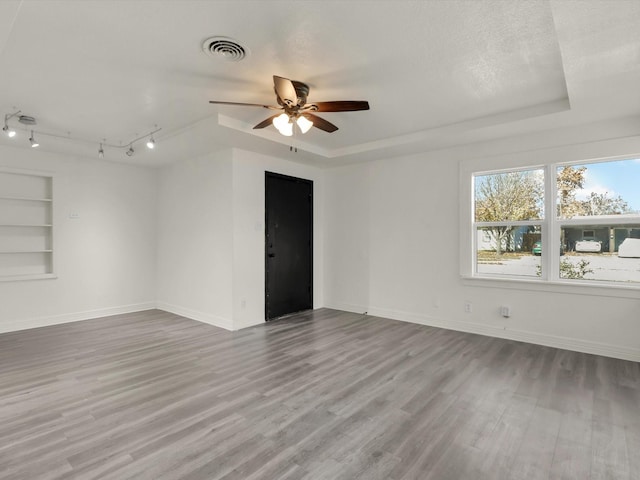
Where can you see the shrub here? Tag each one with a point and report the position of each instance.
(570, 270)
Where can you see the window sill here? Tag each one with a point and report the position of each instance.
(567, 287)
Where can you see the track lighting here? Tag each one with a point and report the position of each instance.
(29, 123)
(33, 141)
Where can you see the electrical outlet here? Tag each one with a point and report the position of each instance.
(468, 307)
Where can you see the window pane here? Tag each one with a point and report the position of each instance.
(601, 252)
(509, 250)
(598, 189)
(509, 196)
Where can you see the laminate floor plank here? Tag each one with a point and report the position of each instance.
(535, 456)
(318, 395)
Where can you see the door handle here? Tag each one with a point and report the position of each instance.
(271, 255)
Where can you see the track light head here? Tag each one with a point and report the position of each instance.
(100, 152)
(9, 132)
(151, 143)
(130, 151)
(33, 141)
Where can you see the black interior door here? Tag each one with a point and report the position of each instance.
(289, 245)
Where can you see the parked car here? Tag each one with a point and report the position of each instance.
(537, 248)
(593, 246)
(629, 248)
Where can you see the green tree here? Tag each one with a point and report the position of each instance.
(569, 179)
(603, 204)
(508, 197)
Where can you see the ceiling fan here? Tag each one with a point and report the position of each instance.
(294, 109)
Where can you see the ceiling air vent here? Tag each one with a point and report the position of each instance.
(225, 48)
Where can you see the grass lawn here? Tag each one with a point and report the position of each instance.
(490, 257)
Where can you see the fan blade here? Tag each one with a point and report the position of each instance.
(285, 90)
(267, 122)
(341, 106)
(320, 123)
(244, 104)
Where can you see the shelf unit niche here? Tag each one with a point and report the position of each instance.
(26, 225)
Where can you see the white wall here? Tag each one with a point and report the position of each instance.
(211, 236)
(397, 254)
(386, 241)
(187, 238)
(195, 239)
(347, 238)
(105, 257)
(248, 234)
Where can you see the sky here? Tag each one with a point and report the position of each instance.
(617, 178)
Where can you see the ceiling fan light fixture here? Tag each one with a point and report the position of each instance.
(304, 124)
(283, 123)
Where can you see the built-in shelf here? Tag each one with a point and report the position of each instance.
(26, 225)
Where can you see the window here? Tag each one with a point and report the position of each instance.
(26, 217)
(508, 216)
(594, 231)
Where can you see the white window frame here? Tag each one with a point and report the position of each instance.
(550, 225)
(520, 223)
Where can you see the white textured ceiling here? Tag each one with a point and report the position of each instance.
(435, 72)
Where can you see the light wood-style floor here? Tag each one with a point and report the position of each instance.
(321, 395)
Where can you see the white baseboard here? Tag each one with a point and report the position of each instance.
(240, 326)
(585, 346)
(37, 322)
(577, 345)
(207, 318)
(347, 307)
